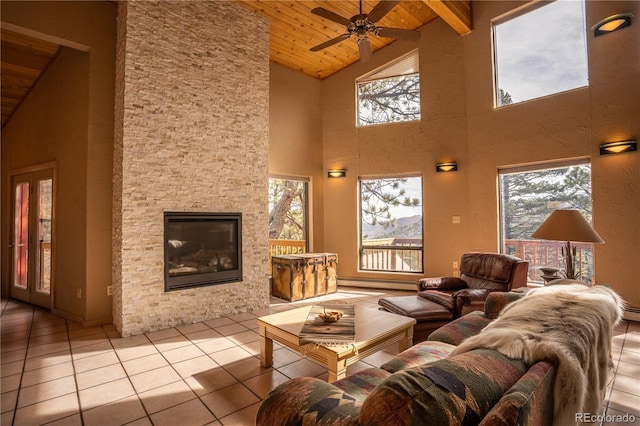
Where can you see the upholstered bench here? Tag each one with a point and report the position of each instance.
(429, 315)
(440, 300)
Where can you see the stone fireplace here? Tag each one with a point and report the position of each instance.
(191, 135)
(201, 249)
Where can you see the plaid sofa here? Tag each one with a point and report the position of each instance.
(423, 385)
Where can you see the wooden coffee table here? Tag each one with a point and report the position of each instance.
(375, 330)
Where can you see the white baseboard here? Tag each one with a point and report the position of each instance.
(632, 314)
(384, 284)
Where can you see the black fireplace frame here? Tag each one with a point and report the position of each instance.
(181, 282)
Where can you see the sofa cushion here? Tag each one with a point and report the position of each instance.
(453, 391)
(487, 270)
(416, 307)
(360, 384)
(422, 353)
(440, 298)
(459, 329)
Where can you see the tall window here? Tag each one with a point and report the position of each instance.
(540, 50)
(391, 237)
(528, 197)
(390, 94)
(288, 218)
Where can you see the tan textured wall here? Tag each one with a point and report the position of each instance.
(194, 137)
(459, 123)
(70, 120)
(295, 138)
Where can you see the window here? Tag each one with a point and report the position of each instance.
(390, 94)
(391, 224)
(539, 51)
(288, 218)
(528, 197)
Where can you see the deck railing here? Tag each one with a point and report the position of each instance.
(392, 254)
(282, 247)
(548, 254)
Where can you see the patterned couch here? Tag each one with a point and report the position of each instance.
(423, 385)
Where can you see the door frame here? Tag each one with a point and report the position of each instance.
(48, 169)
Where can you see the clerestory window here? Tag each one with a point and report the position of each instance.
(539, 50)
(390, 94)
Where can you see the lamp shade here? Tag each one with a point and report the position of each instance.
(567, 225)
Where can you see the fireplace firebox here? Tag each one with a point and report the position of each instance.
(201, 249)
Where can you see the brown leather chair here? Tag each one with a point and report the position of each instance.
(440, 300)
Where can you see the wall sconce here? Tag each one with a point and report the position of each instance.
(337, 173)
(618, 147)
(447, 167)
(612, 23)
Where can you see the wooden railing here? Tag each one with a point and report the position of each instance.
(392, 254)
(548, 254)
(281, 247)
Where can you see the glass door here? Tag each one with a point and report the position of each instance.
(31, 239)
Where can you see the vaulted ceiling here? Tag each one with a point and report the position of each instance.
(293, 31)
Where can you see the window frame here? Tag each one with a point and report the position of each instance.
(420, 249)
(404, 66)
(535, 276)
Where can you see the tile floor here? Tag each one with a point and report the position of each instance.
(56, 373)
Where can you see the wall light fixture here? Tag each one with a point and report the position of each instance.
(337, 173)
(447, 167)
(612, 23)
(618, 147)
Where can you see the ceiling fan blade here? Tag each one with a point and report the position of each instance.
(398, 33)
(330, 42)
(320, 11)
(364, 47)
(381, 9)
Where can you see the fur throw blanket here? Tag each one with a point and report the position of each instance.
(571, 325)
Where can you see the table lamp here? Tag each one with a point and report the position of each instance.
(567, 225)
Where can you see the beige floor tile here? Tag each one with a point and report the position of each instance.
(302, 367)
(215, 345)
(15, 345)
(210, 381)
(11, 368)
(96, 361)
(33, 377)
(230, 355)
(84, 332)
(252, 347)
(134, 352)
(189, 413)
(49, 348)
(174, 342)
(228, 400)
(92, 341)
(284, 356)
(47, 360)
(263, 383)
(242, 317)
(192, 328)
(182, 353)
(47, 411)
(244, 337)
(203, 335)
(8, 400)
(127, 342)
(119, 412)
(628, 369)
(631, 357)
(246, 416)
(49, 338)
(631, 345)
(104, 394)
(228, 330)
(163, 334)
(618, 418)
(47, 390)
(218, 322)
(73, 420)
(625, 402)
(13, 355)
(100, 376)
(627, 384)
(245, 368)
(154, 378)
(166, 396)
(145, 363)
(194, 366)
(13, 335)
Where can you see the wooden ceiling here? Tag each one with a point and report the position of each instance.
(294, 29)
(24, 59)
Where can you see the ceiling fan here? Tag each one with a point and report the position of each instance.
(362, 25)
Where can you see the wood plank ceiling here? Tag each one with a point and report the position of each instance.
(24, 58)
(294, 29)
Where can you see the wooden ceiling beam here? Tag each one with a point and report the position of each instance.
(456, 13)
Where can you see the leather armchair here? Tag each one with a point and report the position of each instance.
(480, 274)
